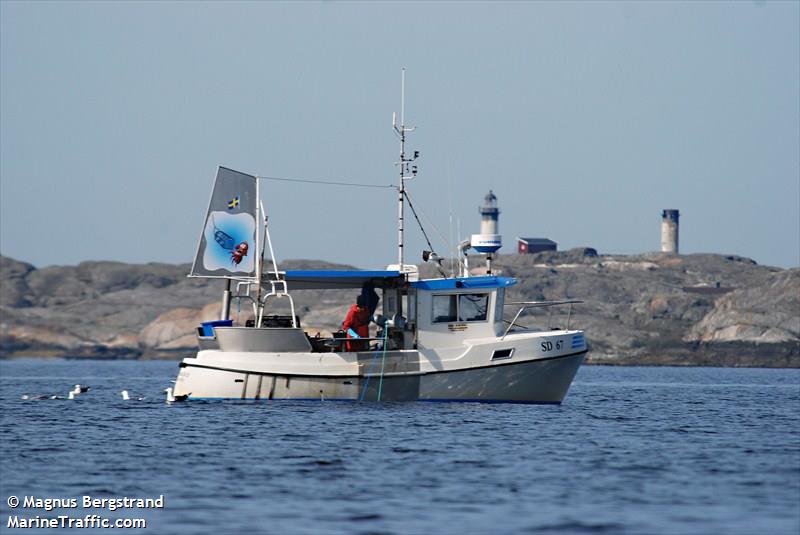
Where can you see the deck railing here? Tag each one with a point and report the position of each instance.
(525, 305)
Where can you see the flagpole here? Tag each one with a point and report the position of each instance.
(258, 255)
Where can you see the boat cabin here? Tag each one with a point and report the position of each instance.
(449, 311)
(411, 314)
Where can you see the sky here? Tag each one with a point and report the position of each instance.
(586, 119)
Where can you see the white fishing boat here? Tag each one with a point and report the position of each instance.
(437, 339)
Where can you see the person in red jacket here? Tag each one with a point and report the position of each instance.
(357, 319)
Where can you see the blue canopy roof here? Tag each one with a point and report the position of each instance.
(308, 279)
(488, 281)
(335, 279)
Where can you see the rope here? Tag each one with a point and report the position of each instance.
(413, 211)
(372, 367)
(326, 182)
(369, 375)
(439, 232)
(383, 360)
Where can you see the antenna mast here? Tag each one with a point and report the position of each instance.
(407, 171)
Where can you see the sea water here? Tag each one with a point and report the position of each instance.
(631, 450)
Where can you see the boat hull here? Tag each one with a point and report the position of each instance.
(543, 380)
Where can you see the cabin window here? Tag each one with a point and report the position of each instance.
(460, 307)
(473, 307)
(499, 303)
(444, 308)
(411, 306)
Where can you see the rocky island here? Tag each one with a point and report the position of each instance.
(652, 309)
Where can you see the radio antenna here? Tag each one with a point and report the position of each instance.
(408, 171)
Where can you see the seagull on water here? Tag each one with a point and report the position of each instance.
(80, 389)
(40, 397)
(126, 396)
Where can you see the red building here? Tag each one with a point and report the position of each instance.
(535, 245)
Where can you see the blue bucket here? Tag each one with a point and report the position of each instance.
(208, 326)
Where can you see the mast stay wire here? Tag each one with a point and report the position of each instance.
(413, 211)
(362, 185)
(328, 182)
(435, 228)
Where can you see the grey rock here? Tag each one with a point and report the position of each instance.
(767, 313)
(14, 290)
(651, 308)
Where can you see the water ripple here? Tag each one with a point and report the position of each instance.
(632, 450)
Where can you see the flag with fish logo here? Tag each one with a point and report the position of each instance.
(227, 245)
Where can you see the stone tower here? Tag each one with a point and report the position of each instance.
(669, 231)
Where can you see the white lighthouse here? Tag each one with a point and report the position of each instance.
(488, 241)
